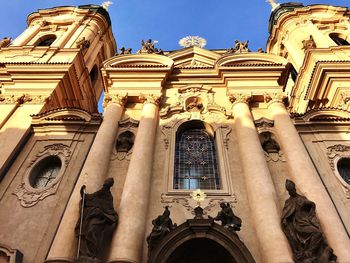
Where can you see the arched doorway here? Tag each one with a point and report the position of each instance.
(200, 241)
(200, 250)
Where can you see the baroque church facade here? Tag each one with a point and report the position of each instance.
(234, 123)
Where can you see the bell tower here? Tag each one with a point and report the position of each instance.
(315, 40)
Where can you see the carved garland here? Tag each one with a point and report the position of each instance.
(335, 153)
(21, 99)
(30, 196)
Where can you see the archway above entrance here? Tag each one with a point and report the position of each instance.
(201, 241)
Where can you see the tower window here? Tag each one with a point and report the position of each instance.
(46, 41)
(344, 169)
(195, 158)
(45, 172)
(338, 40)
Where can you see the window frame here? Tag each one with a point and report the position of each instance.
(220, 135)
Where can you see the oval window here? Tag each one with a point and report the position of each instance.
(343, 166)
(45, 172)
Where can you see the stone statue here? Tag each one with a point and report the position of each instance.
(125, 51)
(228, 218)
(162, 225)
(269, 144)
(96, 223)
(5, 42)
(194, 105)
(309, 43)
(148, 48)
(240, 47)
(303, 231)
(83, 43)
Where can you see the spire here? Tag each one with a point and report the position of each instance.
(274, 4)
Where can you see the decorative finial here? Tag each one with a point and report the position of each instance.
(106, 4)
(190, 41)
(274, 4)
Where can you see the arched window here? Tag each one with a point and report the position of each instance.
(46, 41)
(195, 158)
(94, 75)
(338, 40)
(343, 166)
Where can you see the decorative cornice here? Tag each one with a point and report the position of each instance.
(150, 98)
(115, 99)
(239, 98)
(25, 98)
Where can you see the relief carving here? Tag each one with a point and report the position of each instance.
(334, 154)
(225, 130)
(240, 98)
(150, 98)
(30, 196)
(114, 98)
(189, 204)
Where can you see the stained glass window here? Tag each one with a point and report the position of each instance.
(46, 172)
(344, 169)
(195, 160)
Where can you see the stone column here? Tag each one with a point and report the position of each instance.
(130, 235)
(26, 36)
(262, 198)
(93, 174)
(306, 178)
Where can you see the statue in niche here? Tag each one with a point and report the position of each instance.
(162, 225)
(228, 219)
(96, 224)
(269, 144)
(309, 43)
(125, 51)
(303, 230)
(194, 104)
(5, 42)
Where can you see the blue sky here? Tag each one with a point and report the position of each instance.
(220, 22)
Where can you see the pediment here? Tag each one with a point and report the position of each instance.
(194, 57)
(139, 61)
(251, 59)
(63, 114)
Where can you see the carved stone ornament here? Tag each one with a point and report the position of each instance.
(240, 47)
(5, 42)
(240, 98)
(13, 255)
(189, 204)
(228, 219)
(274, 97)
(334, 154)
(263, 124)
(303, 230)
(124, 51)
(150, 98)
(114, 98)
(309, 43)
(83, 43)
(125, 139)
(30, 196)
(147, 47)
(345, 100)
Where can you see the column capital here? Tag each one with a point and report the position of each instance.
(240, 98)
(118, 99)
(150, 98)
(276, 97)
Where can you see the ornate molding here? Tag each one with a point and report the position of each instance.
(334, 154)
(30, 196)
(225, 130)
(130, 125)
(276, 97)
(189, 204)
(345, 100)
(21, 99)
(13, 255)
(150, 98)
(275, 157)
(264, 123)
(118, 99)
(240, 98)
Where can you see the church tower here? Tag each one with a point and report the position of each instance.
(50, 84)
